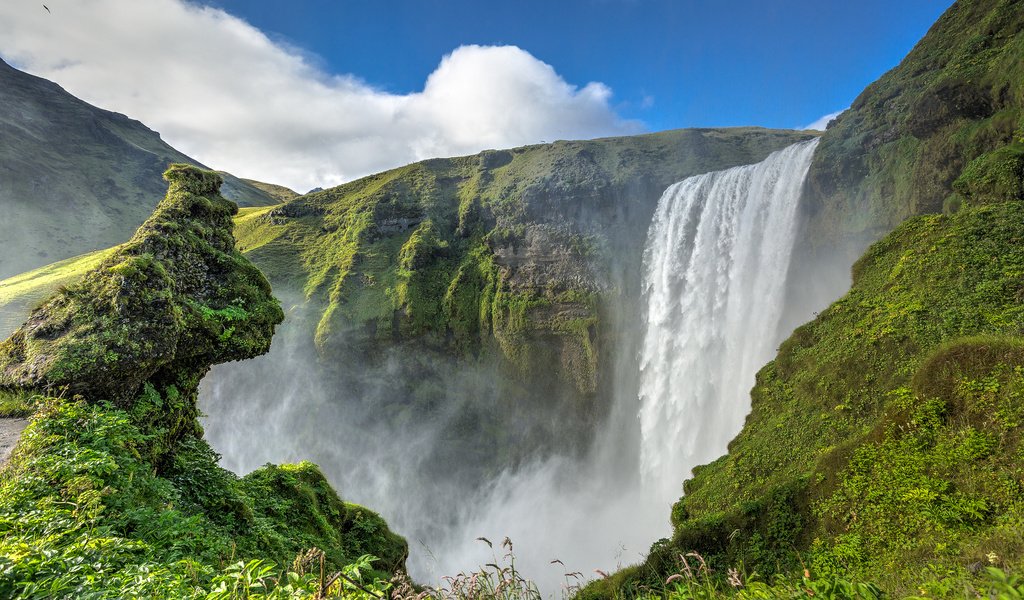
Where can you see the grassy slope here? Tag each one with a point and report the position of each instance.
(279, 192)
(19, 294)
(112, 491)
(76, 178)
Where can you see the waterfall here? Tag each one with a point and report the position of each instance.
(715, 268)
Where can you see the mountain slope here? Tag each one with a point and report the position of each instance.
(75, 178)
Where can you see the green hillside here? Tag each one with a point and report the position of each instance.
(957, 97)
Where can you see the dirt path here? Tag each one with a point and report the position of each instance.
(10, 432)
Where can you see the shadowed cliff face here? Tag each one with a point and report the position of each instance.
(173, 301)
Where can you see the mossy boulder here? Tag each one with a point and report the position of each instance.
(298, 499)
(164, 307)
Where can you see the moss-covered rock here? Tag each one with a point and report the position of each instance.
(164, 307)
(301, 507)
(896, 153)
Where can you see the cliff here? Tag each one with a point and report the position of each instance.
(521, 262)
(919, 140)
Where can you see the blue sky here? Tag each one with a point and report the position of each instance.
(318, 92)
(777, 63)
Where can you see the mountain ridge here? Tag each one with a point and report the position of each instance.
(76, 178)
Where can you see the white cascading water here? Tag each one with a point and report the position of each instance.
(715, 265)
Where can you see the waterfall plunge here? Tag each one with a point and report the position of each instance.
(715, 270)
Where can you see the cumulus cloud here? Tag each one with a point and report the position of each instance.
(822, 122)
(221, 91)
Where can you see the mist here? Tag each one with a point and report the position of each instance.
(583, 506)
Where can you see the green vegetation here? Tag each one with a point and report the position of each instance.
(278, 192)
(84, 512)
(112, 492)
(17, 403)
(19, 294)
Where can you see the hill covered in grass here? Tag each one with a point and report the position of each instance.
(941, 127)
(77, 178)
(112, 491)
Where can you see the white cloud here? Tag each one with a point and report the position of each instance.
(822, 122)
(221, 91)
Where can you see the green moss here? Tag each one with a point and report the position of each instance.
(995, 176)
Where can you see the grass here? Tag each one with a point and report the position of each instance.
(20, 293)
(17, 404)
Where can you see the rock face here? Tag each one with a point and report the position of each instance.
(167, 305)
(75, 178)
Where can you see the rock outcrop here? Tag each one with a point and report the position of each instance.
(113, 363)
(166, 306)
